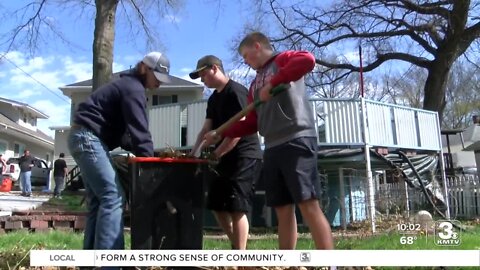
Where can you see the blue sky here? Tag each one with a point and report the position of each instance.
(200, 28)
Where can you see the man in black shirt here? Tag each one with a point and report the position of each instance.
(230, 192)
(26, 162)
(59, 174)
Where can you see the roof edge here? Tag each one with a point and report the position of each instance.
(15, 103)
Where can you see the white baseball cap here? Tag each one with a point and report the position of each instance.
(160, 65)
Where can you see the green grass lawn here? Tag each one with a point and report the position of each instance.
(14, 246)
(70, 202)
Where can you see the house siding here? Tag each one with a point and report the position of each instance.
(15, 131)
(35, 150)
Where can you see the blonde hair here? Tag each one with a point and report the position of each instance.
(254, 37)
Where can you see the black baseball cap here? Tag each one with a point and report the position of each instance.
(206, 62)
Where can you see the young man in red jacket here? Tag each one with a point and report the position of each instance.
(286, 122)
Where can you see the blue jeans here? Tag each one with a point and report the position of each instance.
(26, 182)
(59, 184)
(104, 193)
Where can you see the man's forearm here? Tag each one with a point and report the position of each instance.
(226, 146)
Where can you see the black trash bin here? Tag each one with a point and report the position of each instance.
(167, 201)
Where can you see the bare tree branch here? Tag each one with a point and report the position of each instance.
(428, 34)
(29, 25)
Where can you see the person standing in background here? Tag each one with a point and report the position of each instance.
(59, 173)
(26, 162)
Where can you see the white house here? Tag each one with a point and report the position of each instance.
(471, 136)
(18, 131)
(177, 91)
(458, 144)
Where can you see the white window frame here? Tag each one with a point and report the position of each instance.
(164, 99)
(2, 141)
(21, 148)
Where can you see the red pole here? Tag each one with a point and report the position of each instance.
(362, 93)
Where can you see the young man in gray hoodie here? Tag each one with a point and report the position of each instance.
(286, 122)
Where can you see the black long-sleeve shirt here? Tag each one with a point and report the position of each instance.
(25, 162)
(115, 109)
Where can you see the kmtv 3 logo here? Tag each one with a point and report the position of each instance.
(305, 257)
(447, 233)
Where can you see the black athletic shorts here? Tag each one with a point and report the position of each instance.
(290, 172)
(233, 188)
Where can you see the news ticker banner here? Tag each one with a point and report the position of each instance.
(254, 258)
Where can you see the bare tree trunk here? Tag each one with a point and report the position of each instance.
(104, 37)
(436, 85)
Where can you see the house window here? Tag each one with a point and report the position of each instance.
(160, 100)
(3, 147)
(183, 136)
(18, 149)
